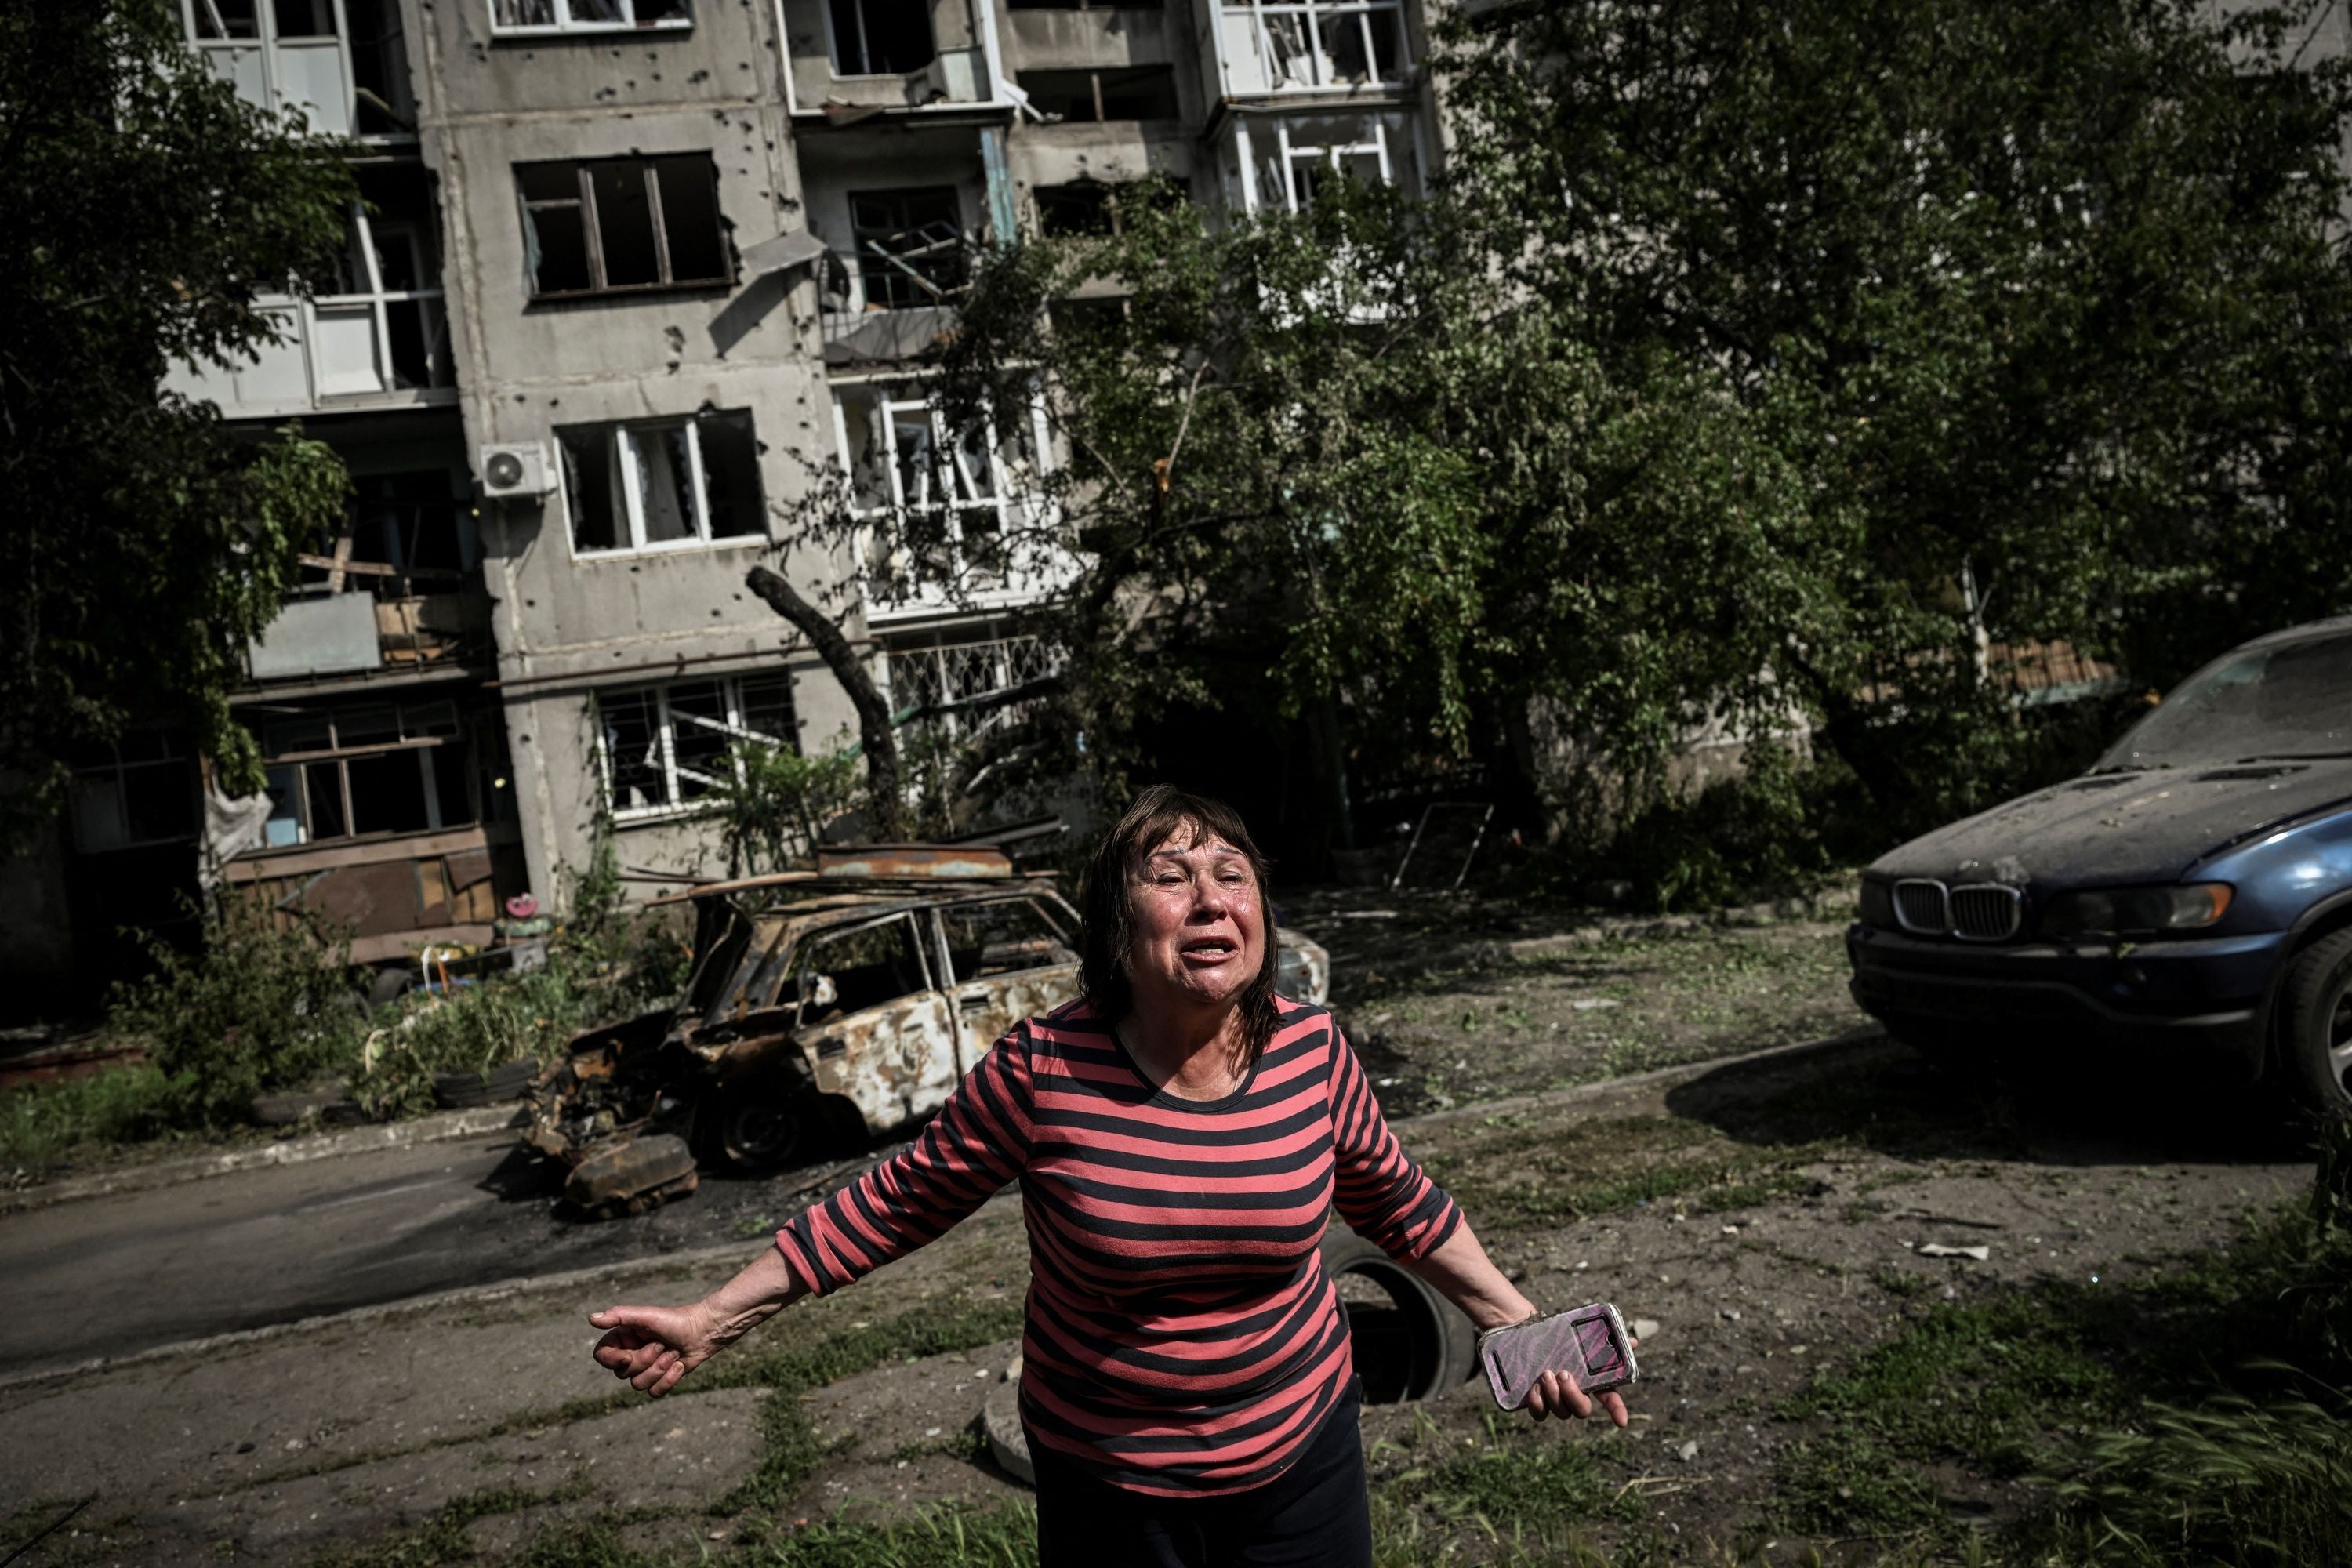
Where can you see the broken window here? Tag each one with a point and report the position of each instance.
(910, 246)
(661, 483)
(839, 971)
(383, 327)
(617, 225)
(983, 940)
(662, 747)
(1284, 164)
(139, 790)
(879, 38)
(1086, 4)
(588, 15)
(1088, 206)
(949, 684)
(1280, 46)
(380, 70)
(1142, 92)
(382, 769)
(412, 523)
(936, 497)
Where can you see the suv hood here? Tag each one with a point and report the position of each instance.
(2117, 828)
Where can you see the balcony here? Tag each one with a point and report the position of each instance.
(952, 522)
(1276, 48)
(341, 65)
(378, 339)
(395, 594)
(855, 59)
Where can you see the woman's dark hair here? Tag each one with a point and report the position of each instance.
(1106, 901)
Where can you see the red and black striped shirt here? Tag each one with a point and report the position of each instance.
(1181, 1337)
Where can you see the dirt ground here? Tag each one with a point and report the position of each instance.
(1767, 1222)
(1453, 998)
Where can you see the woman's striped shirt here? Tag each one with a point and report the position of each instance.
(1181, 1337)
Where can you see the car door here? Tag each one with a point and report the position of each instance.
(875, 1029)
(1005, 961)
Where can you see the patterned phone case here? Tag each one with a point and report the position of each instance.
(1588, 1343)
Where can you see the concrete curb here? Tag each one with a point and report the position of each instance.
(434, 1128)
(741, 1251)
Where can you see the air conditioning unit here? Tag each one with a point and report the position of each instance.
(517, 471)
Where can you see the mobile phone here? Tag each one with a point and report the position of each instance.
(1589, 1344)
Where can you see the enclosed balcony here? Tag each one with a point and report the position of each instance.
(376, 335)
(1275, 47)
(339, 64)
(952, 520)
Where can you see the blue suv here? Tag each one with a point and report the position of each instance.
(2195, 888)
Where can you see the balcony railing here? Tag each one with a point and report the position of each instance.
(1276, 47)
(967, 689)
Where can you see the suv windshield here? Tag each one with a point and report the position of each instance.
(2291, 700)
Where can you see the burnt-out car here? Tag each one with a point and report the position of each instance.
(845, 1004)
(2193, 888)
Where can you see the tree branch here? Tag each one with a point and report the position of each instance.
(886, 811)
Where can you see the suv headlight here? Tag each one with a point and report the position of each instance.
(2117, 911)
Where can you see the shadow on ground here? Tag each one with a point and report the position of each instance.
(2078, 1110)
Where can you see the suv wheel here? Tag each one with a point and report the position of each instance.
(749, 1129)
(2319, 1039)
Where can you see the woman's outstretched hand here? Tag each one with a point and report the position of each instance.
(650, 1347)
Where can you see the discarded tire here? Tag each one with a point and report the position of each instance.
(633, 1176)
(1414, 1345)
(454, 1090)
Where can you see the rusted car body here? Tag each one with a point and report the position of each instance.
(849, 1002)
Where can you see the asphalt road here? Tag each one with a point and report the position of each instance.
(116, 1275)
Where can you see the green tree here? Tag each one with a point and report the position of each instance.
(148, 206)
(1755, 368)
(2040, 308)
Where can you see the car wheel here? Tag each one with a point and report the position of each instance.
(751, 1128)
(2319, 1039)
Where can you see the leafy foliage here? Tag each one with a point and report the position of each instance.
(1767, 377)
(773, 809)
(266, 1003)
(148, 206)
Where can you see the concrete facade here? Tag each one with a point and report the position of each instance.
(677, 260)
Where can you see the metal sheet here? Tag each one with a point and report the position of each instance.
(954, 861)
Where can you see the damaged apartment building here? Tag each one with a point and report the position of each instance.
(627, 277)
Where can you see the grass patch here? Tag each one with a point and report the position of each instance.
(2201, 1416)
(1519, 1480)
(790, 1452)
(1547, 1173)
(42, 1123)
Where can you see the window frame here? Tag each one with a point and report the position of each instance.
(1149, 72)
(1313, 16)
(698, 471)
(591, 235)
(893, 266)
(433, 749)
(564, 27)
(731, 688)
